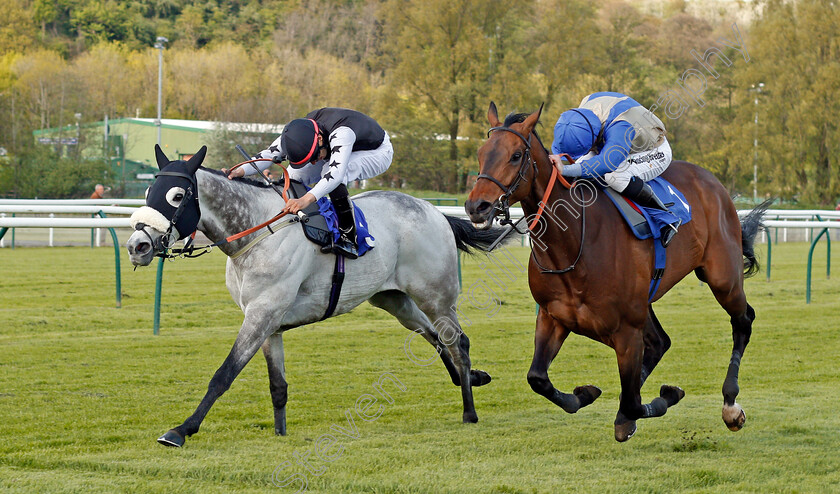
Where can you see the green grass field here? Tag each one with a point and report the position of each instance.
(85, 389)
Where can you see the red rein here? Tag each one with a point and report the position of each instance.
(555, 176)
(272, 220)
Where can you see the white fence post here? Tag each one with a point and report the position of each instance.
(51, 231)
(2, 240)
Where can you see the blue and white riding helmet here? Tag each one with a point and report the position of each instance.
(575, 132)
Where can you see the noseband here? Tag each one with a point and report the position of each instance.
(502, 204)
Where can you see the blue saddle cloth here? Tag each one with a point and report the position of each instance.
(647, 222)
(655, 219)
(365, 239)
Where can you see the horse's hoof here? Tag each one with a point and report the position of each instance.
(470, 417)
(734, 417)
(625, 430)
(587, 394)
(671, 394)
(479, 378)
(171, 438)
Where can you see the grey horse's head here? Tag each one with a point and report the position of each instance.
(171, 211)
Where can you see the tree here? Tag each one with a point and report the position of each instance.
(346, 30)
(799, 62)
(439, 54)
(226, 68)
(561, 52)
(17, 29)
(111, 84)
(42, 83)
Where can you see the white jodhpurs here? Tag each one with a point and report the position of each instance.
(646, 165)
(362, 165)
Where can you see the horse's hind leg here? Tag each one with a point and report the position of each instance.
(629, 348)
(656, 343)
(457, 343)
(548, 339)
(733, 414)
(726, 282)
(400, 305)
(449, 347)
(275, 358)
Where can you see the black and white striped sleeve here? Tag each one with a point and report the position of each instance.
(341, 145)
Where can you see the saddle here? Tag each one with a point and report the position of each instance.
(648, 223)
(320, 223)
(315, 226)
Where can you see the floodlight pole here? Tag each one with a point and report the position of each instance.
(161, 41)
(757, 89)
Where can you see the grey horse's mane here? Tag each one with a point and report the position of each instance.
(242, 180)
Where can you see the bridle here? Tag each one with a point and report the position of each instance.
(502, 204)
(163, 245)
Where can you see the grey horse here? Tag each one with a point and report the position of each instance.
(282, 280)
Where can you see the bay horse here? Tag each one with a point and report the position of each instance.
(591, 276)
(282, 280)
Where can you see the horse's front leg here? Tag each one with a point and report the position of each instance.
(549, 337)
(274, 357)
(255, 329)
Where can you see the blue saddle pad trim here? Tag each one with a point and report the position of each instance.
(656, 218)
(680, 210)
(365, 239)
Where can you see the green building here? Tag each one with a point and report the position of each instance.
(128, 144)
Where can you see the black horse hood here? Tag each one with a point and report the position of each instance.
(172, 200)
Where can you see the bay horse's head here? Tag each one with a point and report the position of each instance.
(171, 211)
(507, 169)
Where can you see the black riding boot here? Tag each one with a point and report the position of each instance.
(346, 245)
(641, 192)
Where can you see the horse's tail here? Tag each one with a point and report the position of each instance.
(750, 225)
(467, 236)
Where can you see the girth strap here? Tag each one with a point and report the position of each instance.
(337, 282)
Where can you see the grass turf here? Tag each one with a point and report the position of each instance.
(85, 389)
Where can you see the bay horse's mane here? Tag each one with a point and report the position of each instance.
(513, 118)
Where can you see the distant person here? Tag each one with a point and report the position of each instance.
(837, 207)
(329, 148)
(98, 192)
(614, 138)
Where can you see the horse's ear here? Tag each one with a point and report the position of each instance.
(493, 116)
(532, 119)
(196, 160)
(160, 157)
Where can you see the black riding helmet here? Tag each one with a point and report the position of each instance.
(299, 141)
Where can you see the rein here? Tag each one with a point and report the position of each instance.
(503, 205)
(191, 251)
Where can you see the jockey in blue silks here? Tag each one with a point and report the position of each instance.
(616, 140)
